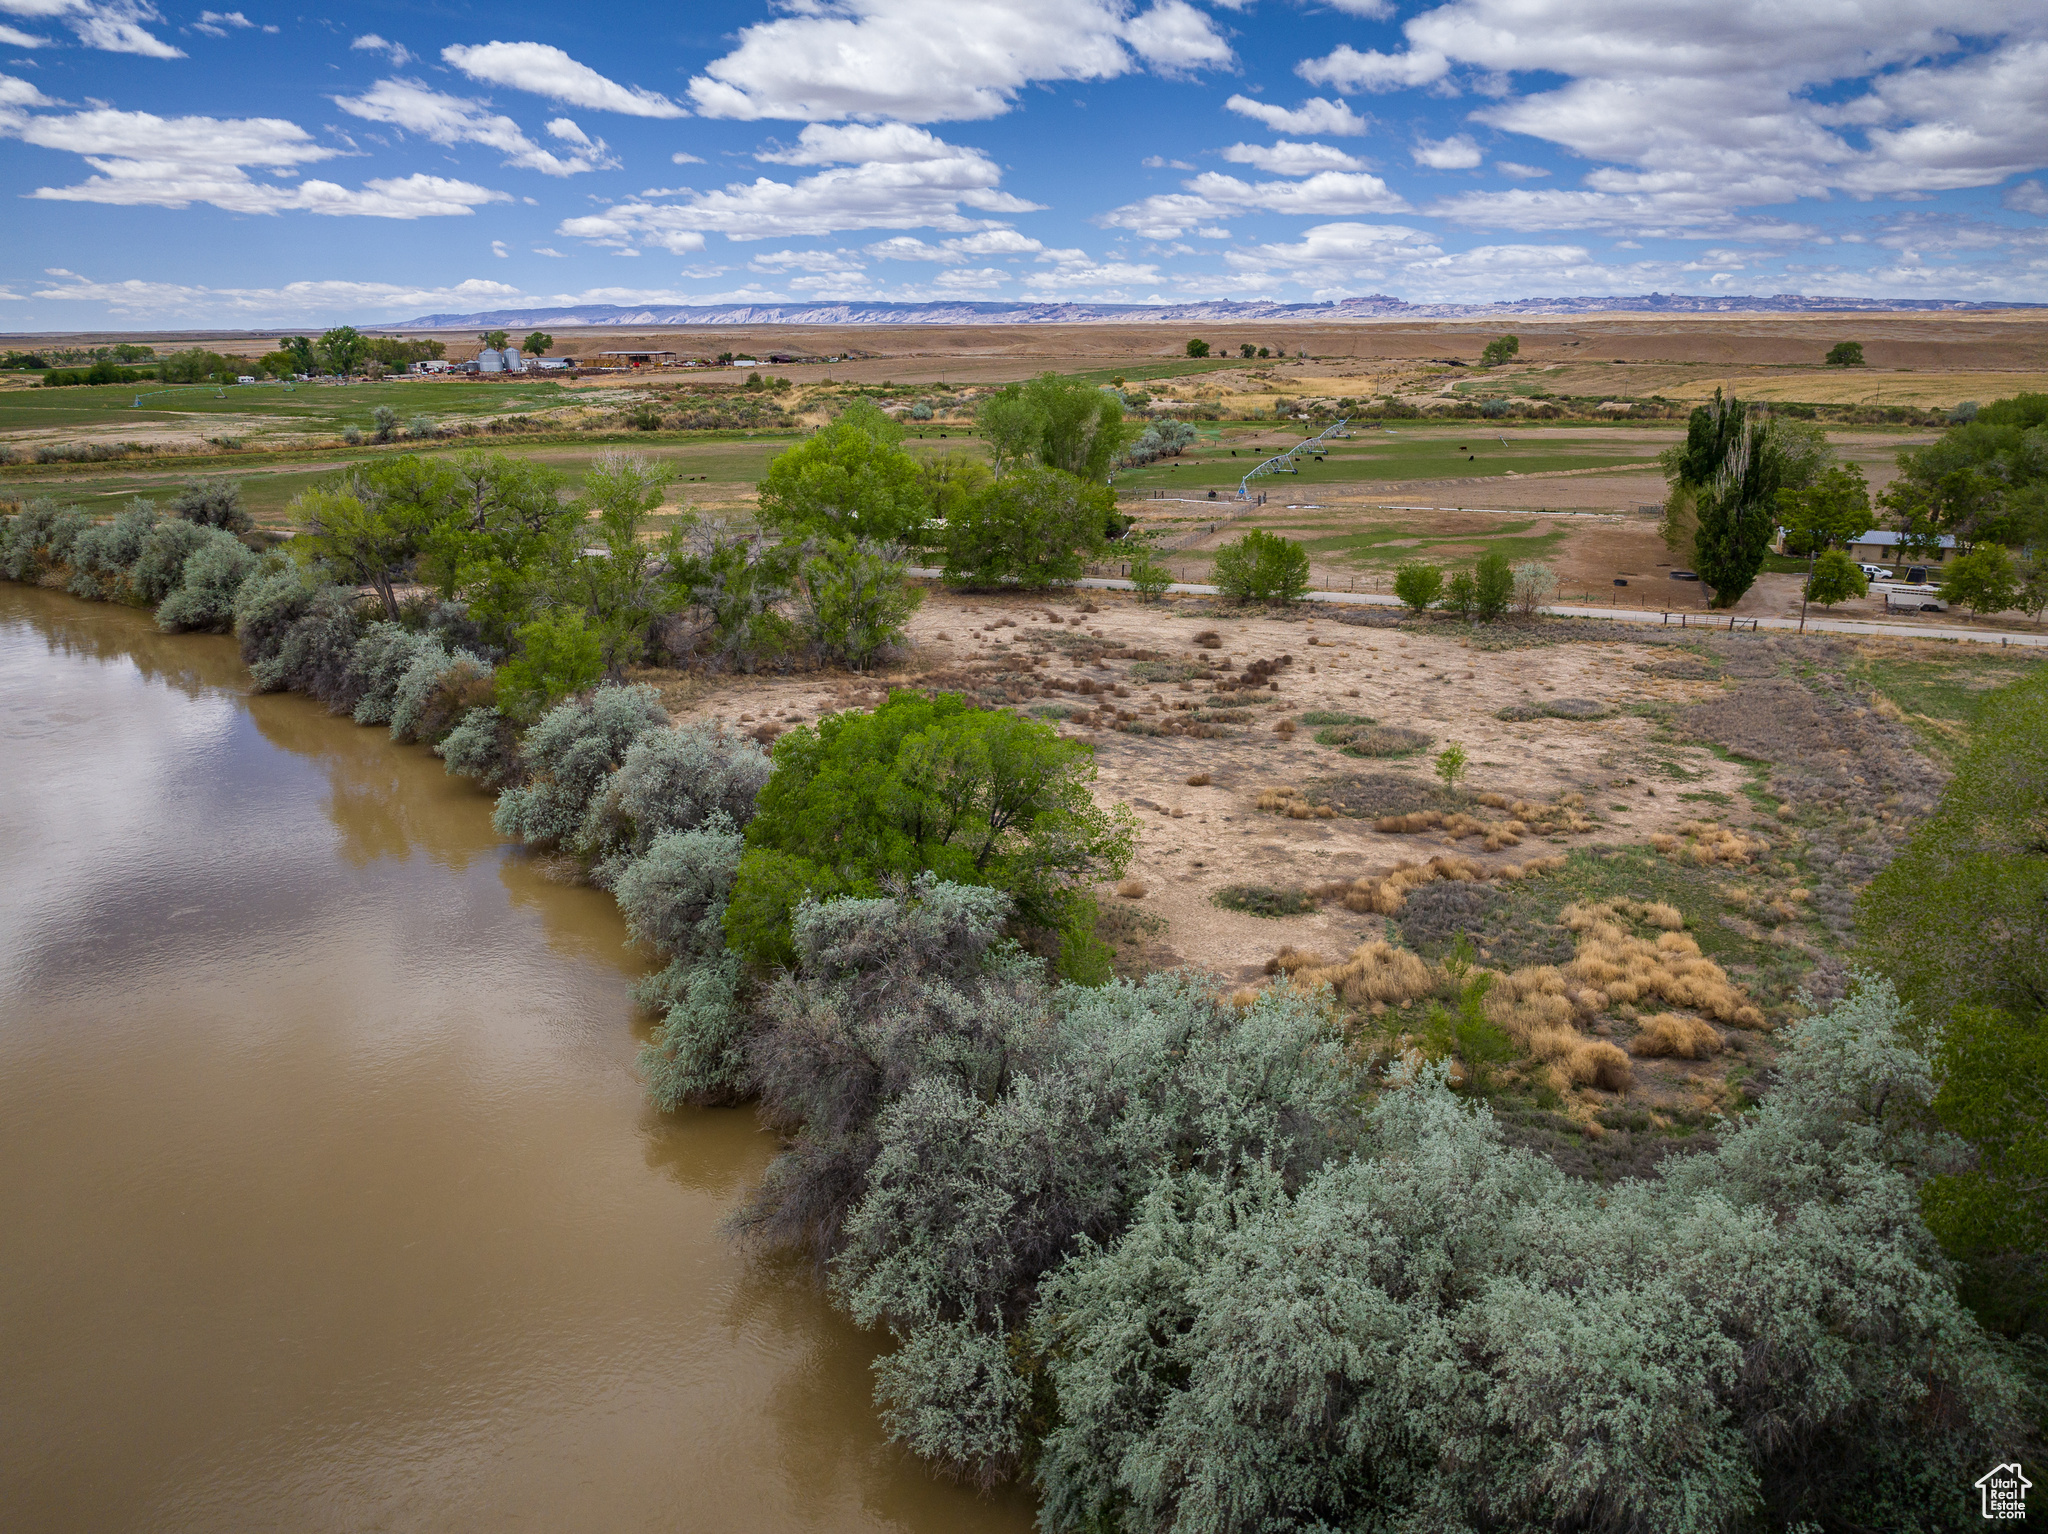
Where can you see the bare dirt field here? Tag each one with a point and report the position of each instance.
(1708, 804)
(2001, 341)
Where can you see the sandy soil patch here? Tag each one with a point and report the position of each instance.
(1199, 838)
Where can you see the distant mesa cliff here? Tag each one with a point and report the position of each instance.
(1376, 306)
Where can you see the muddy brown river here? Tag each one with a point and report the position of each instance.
(328, 1197)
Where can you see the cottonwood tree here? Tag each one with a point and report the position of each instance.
(1033, 528)
(930, 785)
(1058, 422)
(1833, 577)
(1832, 510)
(342, 350)
(1985, 580)
(852, 479)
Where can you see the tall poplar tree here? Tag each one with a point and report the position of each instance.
(1735, 473)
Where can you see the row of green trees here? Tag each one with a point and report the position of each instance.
(1489, 590)
(344, 352)
(1743, 473)
(341, 352)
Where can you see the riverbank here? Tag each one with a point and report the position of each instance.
(334, 1201)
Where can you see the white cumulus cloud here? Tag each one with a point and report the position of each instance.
(112, 26)
(220, 23)
(1315, 115)
(1458, 152)
(1347, 69)
(1292, 158)
(370, 42)
(143, 160)
(1694, 109)
(942, 60)
(443, 119)
(1075, 274)
(989, 242)
(921, 184)
(548, 71)
(1213, 196)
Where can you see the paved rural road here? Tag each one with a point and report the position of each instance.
(1693, 620)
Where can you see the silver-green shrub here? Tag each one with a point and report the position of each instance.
(160, 564)
(39, 538)
(958, 1126)
(673, 897)
(953, 1395)
(672, 780)
(483, 745)
(204, 598)
(296, 633)
(104, 556)
(1445, 1332)
(381, 659)
(438, 688)
(570, 754)
(213, 503)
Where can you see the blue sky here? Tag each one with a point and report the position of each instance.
(168, 167)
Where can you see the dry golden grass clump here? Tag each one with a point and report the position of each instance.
(1457, 825)
(1524, 817)
(1387, 893)
(1292, 803)
(1132, 889)
(1375, 972)
(1544, 1008)
(1531, 1004)
(1673, 1033)
(1622, 969)
(1703, 842)
(1290, 960)
(1579, 1061)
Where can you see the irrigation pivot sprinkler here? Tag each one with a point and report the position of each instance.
(1283, 463)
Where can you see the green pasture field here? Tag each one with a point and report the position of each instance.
(1950, 688)
(1386, 544)
(1479, 451)
(721, 461)
(302, 407)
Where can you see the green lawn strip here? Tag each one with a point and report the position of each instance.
(1373, 548)
(1948, 689)
(1423, 461)
(269, 480)
(303, 406)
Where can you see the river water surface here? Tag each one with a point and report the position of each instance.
(328, 1198)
